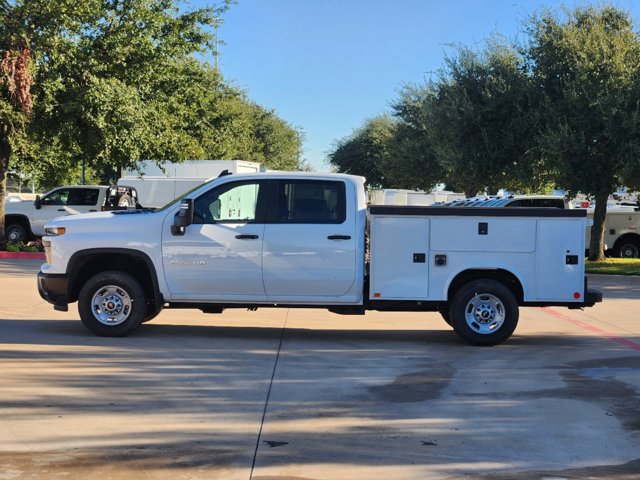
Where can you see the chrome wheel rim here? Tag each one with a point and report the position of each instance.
(485, 314)
(111, 305)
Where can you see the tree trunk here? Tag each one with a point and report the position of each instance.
(5, 153)
(596, 243)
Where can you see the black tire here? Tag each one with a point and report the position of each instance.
(16, 233)
(445, 316)
(151, 315)
(627, 248)
(484, 312)
(112, 304)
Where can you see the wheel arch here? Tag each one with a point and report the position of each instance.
(86, 263)
(628, 237)
(23, 220)
(507, 278)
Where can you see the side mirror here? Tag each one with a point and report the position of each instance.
(37, 202)
(183, 218)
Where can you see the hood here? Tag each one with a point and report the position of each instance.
(21, 206)
(110, 220)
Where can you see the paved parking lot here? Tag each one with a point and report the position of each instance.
(304, 394)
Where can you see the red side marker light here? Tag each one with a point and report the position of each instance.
(576, 295)
(376, 295)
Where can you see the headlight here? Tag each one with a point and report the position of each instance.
(54, 231)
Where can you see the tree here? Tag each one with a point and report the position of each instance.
(365, 150)
(411, 161)
(82, 74)
(587, 69)
(117, 93)
(478, 115)
(26, 27)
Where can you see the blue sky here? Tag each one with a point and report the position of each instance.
(328, 65)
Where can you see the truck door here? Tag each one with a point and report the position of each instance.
(309, 239)
(51, 206)
(83, 200)
(219, 257)
(64, 201)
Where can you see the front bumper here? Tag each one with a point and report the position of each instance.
(54, 289)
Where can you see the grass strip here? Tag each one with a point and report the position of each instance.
(614, 266)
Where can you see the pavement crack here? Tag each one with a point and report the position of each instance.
(266, 402)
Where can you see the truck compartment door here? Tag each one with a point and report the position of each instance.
(560, 260)
(399, 258)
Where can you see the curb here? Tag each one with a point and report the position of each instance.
(23, 255)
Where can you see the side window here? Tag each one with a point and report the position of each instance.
(519, 203)
(57, 197)
(234, 202)
(310, 201)
(83, 196)
(548, 202)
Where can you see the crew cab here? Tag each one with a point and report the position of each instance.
(26, 219)
(300, 240)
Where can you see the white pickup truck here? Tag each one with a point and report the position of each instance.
(26, 219)
(299, 240)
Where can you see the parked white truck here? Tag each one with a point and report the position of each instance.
(26, 219)
(298, 240)
(621, 232)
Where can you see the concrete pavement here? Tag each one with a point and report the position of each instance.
(304, 394)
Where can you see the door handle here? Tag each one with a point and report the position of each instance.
(247, 237)
(61, 210)
(339, 237)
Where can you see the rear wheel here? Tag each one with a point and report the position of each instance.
(112, 304)
(484, 312)
(628, 248)
(445, 316)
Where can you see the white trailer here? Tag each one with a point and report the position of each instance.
(158, 185)
(392, 196)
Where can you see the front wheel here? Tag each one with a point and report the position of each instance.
(112, 304)
(16, 233)
(484, 312)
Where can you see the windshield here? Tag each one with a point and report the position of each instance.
(176, 200)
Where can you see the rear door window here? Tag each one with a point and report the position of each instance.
(309, 201)
(85, 197)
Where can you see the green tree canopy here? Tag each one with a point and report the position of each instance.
(365, 150)
(478, 115)
(587, 67)
(112, 82)
(411, 162)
